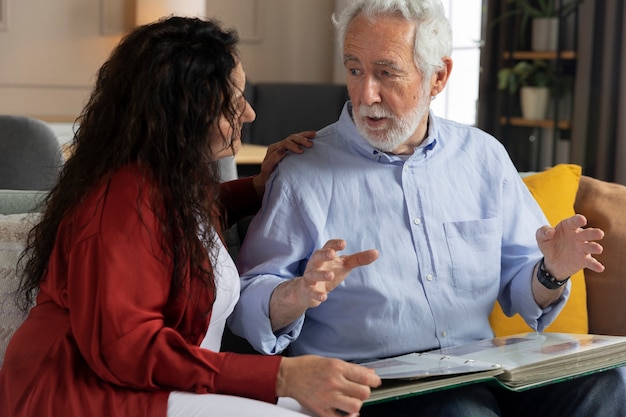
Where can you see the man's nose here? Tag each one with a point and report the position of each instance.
(370, 93)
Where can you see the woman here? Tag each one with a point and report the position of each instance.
(127, 260)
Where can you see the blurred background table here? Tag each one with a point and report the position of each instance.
(249, 159)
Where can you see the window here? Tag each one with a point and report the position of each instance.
(459, 99)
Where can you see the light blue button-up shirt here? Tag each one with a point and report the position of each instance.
(454, 225)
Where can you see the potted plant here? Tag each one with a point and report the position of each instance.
(534, 80)
(544, 16)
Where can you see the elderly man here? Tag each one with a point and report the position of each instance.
(454, 225)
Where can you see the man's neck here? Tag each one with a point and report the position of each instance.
(414, 141)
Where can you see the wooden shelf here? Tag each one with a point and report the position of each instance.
(548, 55)
(544, 124)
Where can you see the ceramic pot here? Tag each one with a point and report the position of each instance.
(545, 34)
(534, 102)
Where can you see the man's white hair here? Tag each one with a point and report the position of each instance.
(433, 37)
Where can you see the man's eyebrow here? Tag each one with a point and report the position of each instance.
(389, 64)
(351, 58)
(381, 63)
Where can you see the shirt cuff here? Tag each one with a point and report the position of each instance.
(536, 317)
(251, 318)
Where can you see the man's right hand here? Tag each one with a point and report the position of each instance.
(324, 271)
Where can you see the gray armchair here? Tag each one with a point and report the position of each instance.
(30, 154)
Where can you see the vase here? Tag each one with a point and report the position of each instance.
(545, 34)
(534, 102)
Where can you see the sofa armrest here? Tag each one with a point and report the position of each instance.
(14, 231)
(21, 201)
(604, 205)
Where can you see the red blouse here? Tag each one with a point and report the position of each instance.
(106, 338)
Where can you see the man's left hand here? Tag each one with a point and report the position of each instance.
(569, 247)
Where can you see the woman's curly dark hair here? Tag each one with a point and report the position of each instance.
(155, 102)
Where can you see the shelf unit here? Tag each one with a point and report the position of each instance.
(557, 125)
(561, 124)
(545, 55)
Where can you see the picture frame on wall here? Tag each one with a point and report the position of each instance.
(4, 15)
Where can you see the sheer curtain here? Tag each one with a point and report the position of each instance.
(599, 128)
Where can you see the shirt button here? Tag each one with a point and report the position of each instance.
(429, 277)
(444, 333)
(417, 221)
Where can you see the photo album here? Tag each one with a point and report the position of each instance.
(516, 362)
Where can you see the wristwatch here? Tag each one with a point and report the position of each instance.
(547, 280)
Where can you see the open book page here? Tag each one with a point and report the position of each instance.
(541, 357)
(425, 372)
(426, 365)
(398, 388)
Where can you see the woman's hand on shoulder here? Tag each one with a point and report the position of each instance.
(328, 387)
(276, 152)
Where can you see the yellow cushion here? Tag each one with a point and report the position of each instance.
(555, 190)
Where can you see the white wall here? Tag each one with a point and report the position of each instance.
(49, 54)
(290, 40)
(51, 50)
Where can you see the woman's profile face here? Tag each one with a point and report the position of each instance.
(223, 129)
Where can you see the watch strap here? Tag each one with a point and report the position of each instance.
(547, 280)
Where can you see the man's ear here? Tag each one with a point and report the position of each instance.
(440, 78)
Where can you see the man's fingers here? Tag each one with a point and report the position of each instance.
(351, 261)
(594, 248)
(335, 244)
(592, 233)
(575, 221)
(595, 265)
(364, 258)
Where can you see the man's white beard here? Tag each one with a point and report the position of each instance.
(386, 139)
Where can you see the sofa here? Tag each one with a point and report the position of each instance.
(597, 304)
(18, 212)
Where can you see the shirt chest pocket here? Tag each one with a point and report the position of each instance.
(474, 248)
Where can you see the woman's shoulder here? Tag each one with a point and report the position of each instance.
(116, 204)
